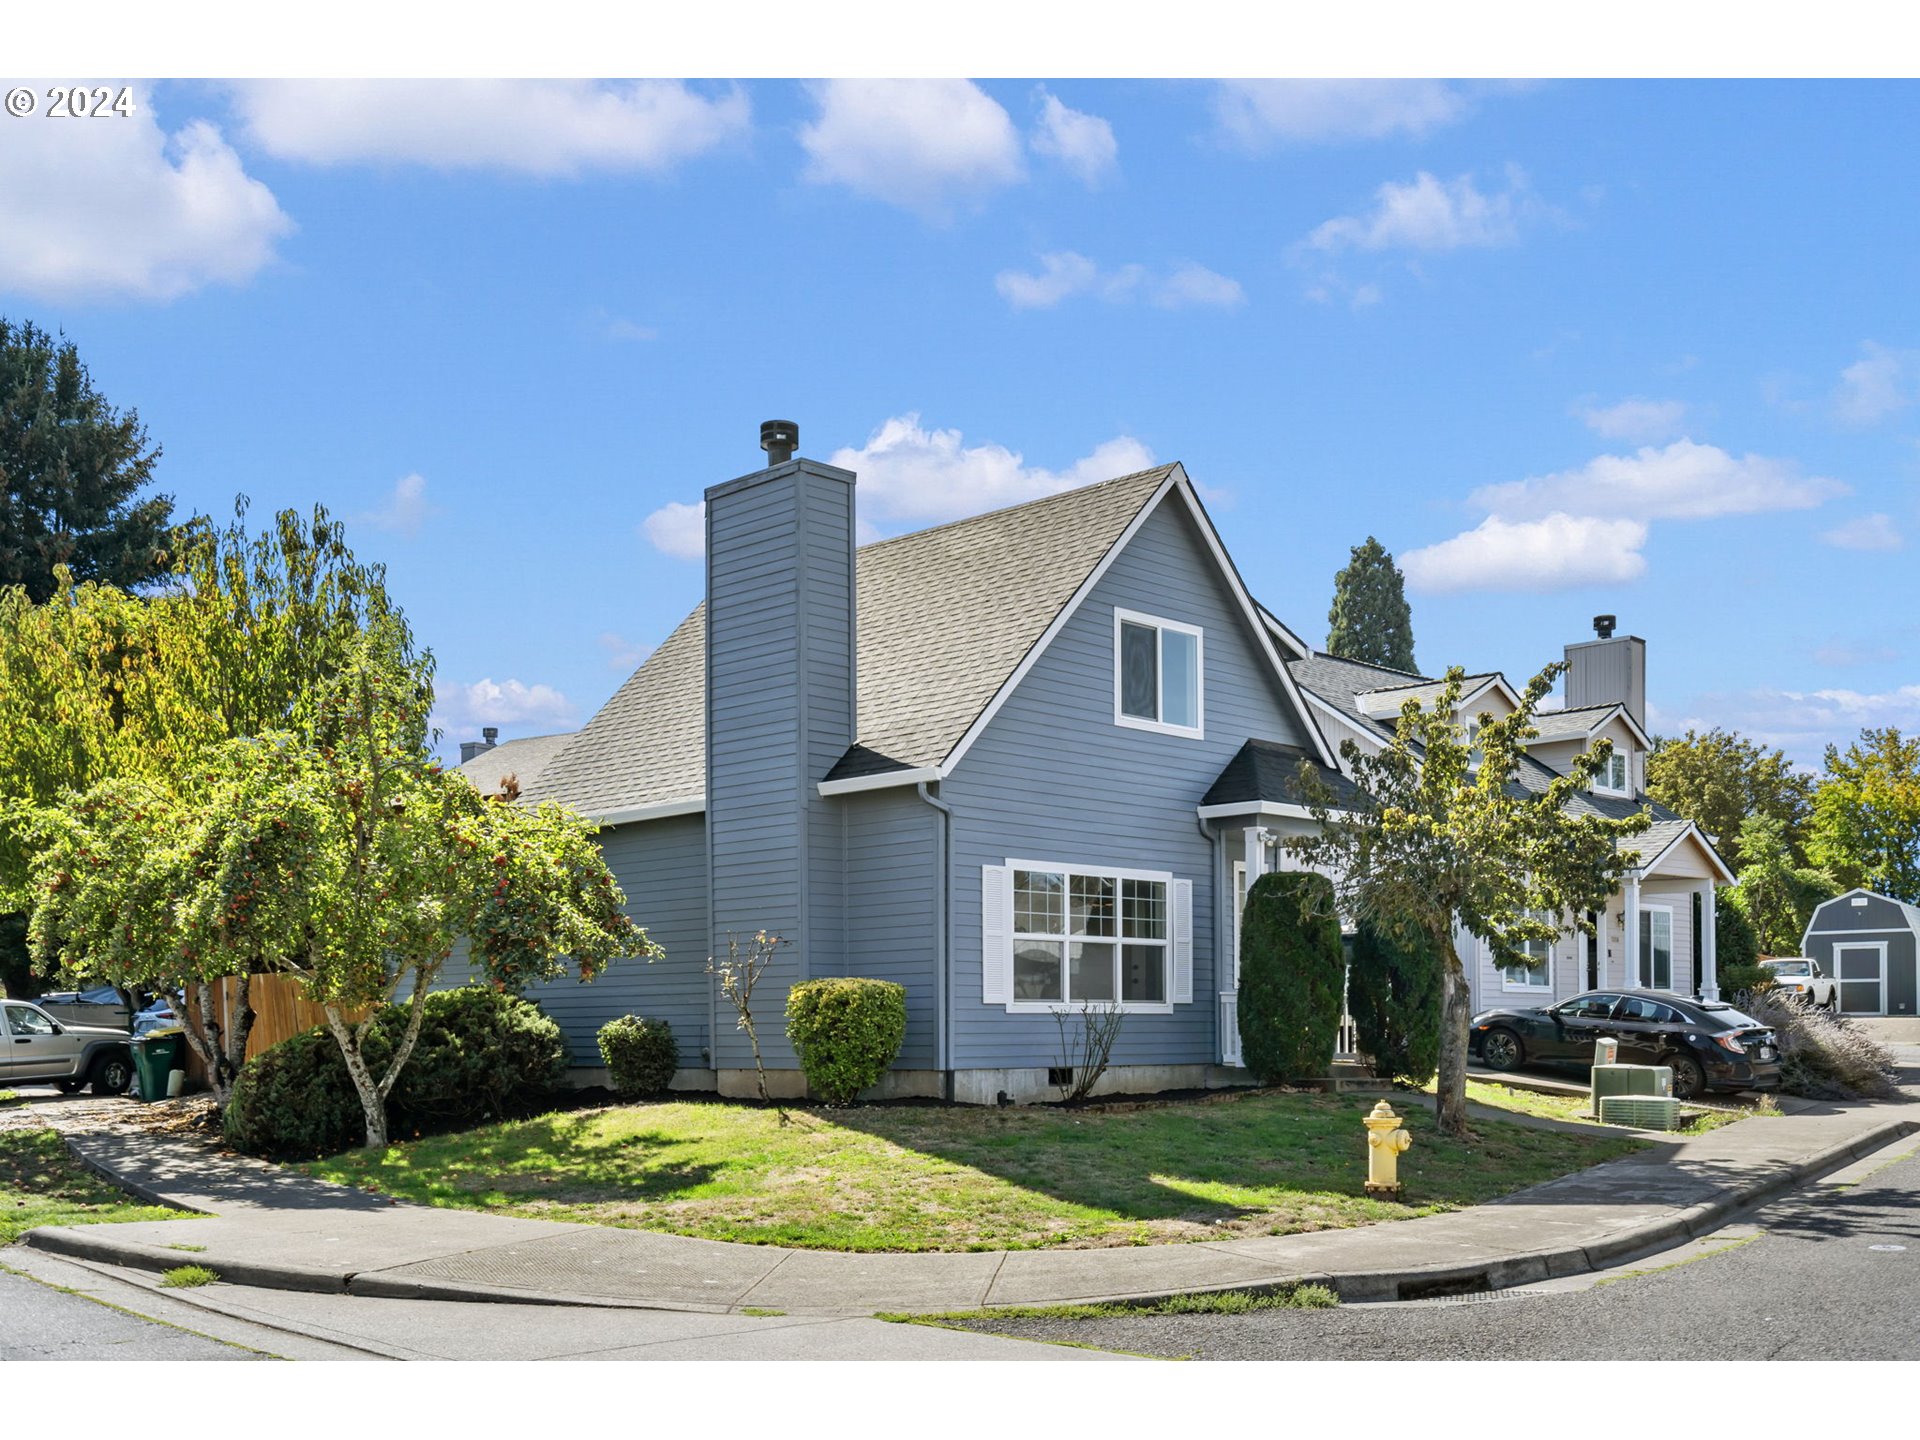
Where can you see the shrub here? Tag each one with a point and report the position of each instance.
(1393, 994)
(1735, 943)
(1822, 1056)
(1290, 972)
(640, 1054)
(480, 1054)
(1739, 979)
(846, 1032)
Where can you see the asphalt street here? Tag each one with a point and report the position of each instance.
(40, 1322)
(1830, 1272)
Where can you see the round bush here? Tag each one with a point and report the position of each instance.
(480, 1054)
(640, 1054)
(1291, 967)
(846, 1032)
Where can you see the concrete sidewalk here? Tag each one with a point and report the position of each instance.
(271, 1228)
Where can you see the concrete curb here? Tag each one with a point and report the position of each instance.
(94, 1243)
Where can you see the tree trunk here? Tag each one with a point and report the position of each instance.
(239, 1027)
(373, 1103)
(1456, 1009)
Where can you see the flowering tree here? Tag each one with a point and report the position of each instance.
(1448, 837)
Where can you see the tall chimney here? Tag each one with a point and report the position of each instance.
(489, 737)
(1609, 670)
(780, 712)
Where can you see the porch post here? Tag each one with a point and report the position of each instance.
(1709, 949)
(1256, 853)
(1630, 920)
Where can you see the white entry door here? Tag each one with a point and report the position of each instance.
(1862, 973)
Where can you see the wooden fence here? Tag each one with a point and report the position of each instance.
(280, 1009)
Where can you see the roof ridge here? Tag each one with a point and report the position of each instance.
(1413, 675)
(1422, 684)
(1161, 470)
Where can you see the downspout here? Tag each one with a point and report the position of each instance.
(943, 1028)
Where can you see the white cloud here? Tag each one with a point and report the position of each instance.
(1064, 274)
(1257, 114)
(118, 209)
(555, 128)
(1554, 552)
(678, 530)
(406, 510)
(1880, 383)
(622, 654)
(1805, 722)
(1866, 532)
(462, 708)
(1427, 213)
(924, 145)
(1636, 419)
(1081, 142)
(1683, 481)
(1844, 653)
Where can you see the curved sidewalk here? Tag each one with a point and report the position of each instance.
(271, 1228)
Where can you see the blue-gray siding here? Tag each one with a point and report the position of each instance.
(892, 886)
(1053, 778)
(1879, 921)
(780, 711)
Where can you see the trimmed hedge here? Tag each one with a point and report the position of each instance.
(640, 1055)
(1291, 968)
(1742, 979)
(1393, 994)
(846, 1032)
(1735, 941)
(480, 1055)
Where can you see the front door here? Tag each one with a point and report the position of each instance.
(1862, 973)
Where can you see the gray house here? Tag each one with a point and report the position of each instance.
(1004, 762)
(1868, 942)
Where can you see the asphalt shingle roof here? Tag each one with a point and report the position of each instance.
(1268, 770)
(524, 759)
(944, 615)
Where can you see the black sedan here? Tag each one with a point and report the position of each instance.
(1709, 1044)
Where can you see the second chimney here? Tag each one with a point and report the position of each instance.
(1610, 670)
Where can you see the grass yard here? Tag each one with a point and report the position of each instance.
(930, 1178)
(42, 1184)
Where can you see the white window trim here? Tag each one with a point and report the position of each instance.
(1600, 787)
(1509, 986)
(1196, 731)
(1646, 958)
(1074, 1007)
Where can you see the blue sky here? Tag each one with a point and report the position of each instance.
(1647, 348)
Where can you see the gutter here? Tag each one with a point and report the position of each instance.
(942, 986)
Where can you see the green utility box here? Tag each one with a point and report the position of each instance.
(155, 1057)
(1642, 1112)
(1629, 1080)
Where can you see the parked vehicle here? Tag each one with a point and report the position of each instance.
(162, 1013)
(98, 1008)
(37, 1049)
(1708, 1044)
(1805, 980)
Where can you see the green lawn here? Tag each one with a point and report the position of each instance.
(931, 1178)
(42, 1184)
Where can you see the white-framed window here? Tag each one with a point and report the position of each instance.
(1058, 936)
(1536, 976)
(1158, 681)
(1612, 777)
(1656, 947)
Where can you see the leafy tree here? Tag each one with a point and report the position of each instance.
(1393, 994)
(1370, 619)
(1291, 967)
(1734, 940)
(71, 472)
(1447, 837)
(1776, 897)
(1867, 814)
(1718, 778)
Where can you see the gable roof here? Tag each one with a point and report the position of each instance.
(1581, 721)
(524, 759)
(1268, 772)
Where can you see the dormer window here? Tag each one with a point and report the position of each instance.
(1157, 680)
(1612, 777)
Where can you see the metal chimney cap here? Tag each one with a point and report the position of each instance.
(779, 438)
(1603, 626)
(490, 734)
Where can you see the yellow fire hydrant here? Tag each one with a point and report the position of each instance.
(1385, 1141)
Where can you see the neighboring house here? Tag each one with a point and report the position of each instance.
(1015, 763)
(1868, 942)
(1657, 932)
(489, 764)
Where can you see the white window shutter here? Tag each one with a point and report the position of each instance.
(1182, 942)
(996, 934)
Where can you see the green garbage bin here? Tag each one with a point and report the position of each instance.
(155, 1057)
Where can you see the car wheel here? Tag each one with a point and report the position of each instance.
(1832, 1007)
(1688, 1078)
(71, 1087)
(112, 1074)
(1502, 1050)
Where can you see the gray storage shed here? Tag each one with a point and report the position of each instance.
(1869, 943)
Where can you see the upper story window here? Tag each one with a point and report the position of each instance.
(1535, 976)
(1612, 777)
(1157, 682)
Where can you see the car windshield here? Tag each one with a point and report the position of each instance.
(1790, 967)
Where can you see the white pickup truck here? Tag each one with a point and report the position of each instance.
(1805, 980)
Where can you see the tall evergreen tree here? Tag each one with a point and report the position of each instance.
(1370, 619)
(71, 472)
